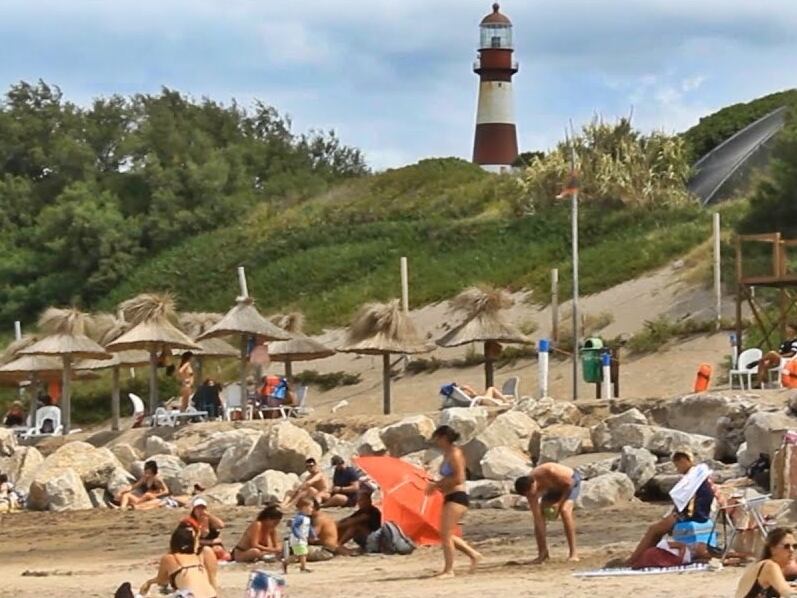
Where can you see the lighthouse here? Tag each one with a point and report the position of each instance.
(495, 144)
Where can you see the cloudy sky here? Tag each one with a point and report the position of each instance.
(394, 76)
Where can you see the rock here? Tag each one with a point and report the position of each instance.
(547, 412)
(370, 443)
(126, 454)
(635, 435)
(409, 435)
(21, 466)
(504, 463)
(8, 442)
(661, 484)
(155, 445)
(212, 449)
(223, 494)
(513, 430)
(487, 489)
(506, 502)
(431, 459)
(638, 464)
(58, 489)
(792, 402)
(97, 498)
(137, 469)
(744, 457)
(561, 431)
(605, 491)
(118, 480)
(287, 447)
(763, 431)
(269, 486)
(195, 473)
(556, 448)
(241, 461)
(169, 468)
(95, 466)
(598, 464)
(602, 433)
(468, 421)
(333, 446)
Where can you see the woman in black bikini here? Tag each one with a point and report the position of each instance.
(765, 578)
(187, 566)
(455, 501)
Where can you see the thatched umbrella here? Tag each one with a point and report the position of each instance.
(66, 338)
(194, 323)
(299, 347)
(151, 317)
(483, 324)
(244, 321)
(383, 329)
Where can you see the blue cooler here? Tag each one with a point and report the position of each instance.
(692, 532)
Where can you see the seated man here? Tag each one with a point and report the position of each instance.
(314, 485)
(207, 398)
(551, 490)
(357, 526)
(698, 509)
(146, 492)
(772, 359)
(345, 485)
(15, 416)
(324, 542)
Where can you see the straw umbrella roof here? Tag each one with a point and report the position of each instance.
(380, 328)
(134, 358)
(22, 367)
(11, 352)
(300, 347)
(483, 321)
(244, 319)
(66, 331)
(195, 323)
(151, 317)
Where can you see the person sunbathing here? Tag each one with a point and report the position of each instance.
(357, 526)
(187, 566)
(149, 490)
(315, 485)
(207, 526)
(260, 538)
(324, 543)
(491, 395)
(765, 579)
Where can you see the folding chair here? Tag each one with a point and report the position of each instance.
(741, 513)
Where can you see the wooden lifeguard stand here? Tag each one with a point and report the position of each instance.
(777, 277)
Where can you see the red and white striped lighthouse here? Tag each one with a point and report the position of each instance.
(495, 145)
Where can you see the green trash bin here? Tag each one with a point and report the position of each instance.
(591, 360)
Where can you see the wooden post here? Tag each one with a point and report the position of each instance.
(244, 359)
(115, 398)
(153, 381)
(242, 282)
(489, 367)
(405, 286)
(34, 396)
(66, 400)
(739, 292)
(555, 305)
(717, 271)
(288, 370)
(386, 383)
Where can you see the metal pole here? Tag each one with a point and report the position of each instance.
(386, 383)
(66, 403)
(242, 282)
(153, 382)
(21, 390)
(717, 271)
(244, 360)
(606, 371)
(115, 398)
(405, 286)
(574, 226)
(542, 353)
(555, 305)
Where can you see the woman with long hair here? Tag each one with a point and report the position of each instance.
(765, 579)
(187, 566)
(455, 499)
(185, 373)
(260, 538)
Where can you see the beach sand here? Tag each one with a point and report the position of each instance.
(88, 554)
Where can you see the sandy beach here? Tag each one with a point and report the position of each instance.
(88, 554)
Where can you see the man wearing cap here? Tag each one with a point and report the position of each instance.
(698, 508)
(345, 485)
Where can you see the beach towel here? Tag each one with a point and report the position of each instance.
(686, 487)
(694, 568)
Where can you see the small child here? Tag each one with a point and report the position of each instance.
(300, 532)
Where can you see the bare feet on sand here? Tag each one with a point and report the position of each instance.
(474, 562)
(541, 559)
(443, 575)
(573, 558)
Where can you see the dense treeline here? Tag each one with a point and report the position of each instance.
(87, 193)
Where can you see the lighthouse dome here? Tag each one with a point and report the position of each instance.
(496, 18)
(496, 30)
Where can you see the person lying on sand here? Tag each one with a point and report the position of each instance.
(357, 526)
(324, 542)
(260, 538)
(149, 489)
(315, 485)
(491, 395)
(551, 490)
(186, 566)
(765, 579)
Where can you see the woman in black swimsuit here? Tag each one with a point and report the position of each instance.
(455, 501)
(765, 578)
(187, 566)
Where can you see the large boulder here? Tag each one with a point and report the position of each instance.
(487, 489)
(763, 431)
(575, 440)
(467, 421)
(95, 466)
(504, 463)
(287, 447)
(370, 443)
(58, 489)
(431, 459)
(638, 464)
(155, 445)
(605, 491)
(513, 430)
(269, 487)
(8, 442)
(407, 436)
(744, 457)
(169, 468)
(665, 441)
(506, 502)
(557, 448)
(602, 433)
(21, 466)
(212, 449)
(126, 454)
(193, 474)
(333, 446)
(243, 459)
(547, 412)
(223, 494)
(594, 464)
(118, 480)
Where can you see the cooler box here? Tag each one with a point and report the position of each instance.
(692, 532)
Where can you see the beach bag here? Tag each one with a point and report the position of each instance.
(759, 471)
(447, 390)
(393, 540)
(281, 391)
(262, 584)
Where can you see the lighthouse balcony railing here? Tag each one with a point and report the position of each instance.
(477, 65)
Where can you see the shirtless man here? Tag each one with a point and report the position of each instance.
(314, 486)
(325, 543)
(357, 526)
(149, 489)
(551, 489)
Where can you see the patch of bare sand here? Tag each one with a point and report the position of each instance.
(89, 554)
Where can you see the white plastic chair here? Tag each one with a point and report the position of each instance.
(138, 408)
(43, 414)
(511, 388)
(231, 397)
(163, 417)
(460, 399)
(745, 367)
(300, 409)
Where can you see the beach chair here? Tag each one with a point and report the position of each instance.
(231, 397)
(138, 409)
(741, 512)
(746, 368)
(459, 399)
(300, 409)
(43, 415)
(163, 418)
(511, 388)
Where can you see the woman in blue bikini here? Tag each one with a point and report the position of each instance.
(455, 501)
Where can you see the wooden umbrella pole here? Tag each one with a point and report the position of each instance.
(386, 383)
(153, 381)
(34, 398)
(289, 370)
(115, 398)
(66, 399)
(244, 358)
(488, 367)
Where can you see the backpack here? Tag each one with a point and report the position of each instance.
(394, 541)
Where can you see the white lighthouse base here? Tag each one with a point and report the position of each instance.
(498, 168)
